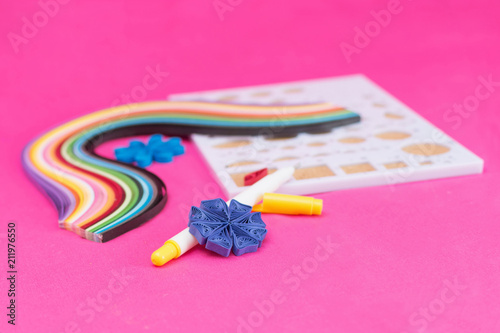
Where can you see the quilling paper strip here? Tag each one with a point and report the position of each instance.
(100, 199)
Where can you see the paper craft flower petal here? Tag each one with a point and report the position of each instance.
(220, 242)
(256, 233)
(244, 243)
(198, 215)
(216, 207)
(201, 231)
(237, 210)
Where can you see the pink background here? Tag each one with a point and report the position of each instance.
(397, 247)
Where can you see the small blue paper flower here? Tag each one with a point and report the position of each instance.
(155, 150)
(222, 229)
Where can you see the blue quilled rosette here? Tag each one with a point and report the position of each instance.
(222, 229)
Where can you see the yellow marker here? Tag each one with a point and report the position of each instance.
(173, 248)
(289, 204)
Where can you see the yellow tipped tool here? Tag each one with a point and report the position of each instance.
(173, 248)
(170, 250)
(289, 204)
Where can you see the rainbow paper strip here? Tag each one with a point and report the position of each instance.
(100, 199)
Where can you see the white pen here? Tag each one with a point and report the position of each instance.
(184, 241)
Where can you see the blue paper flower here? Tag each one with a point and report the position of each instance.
(155, 150)
(224, 228)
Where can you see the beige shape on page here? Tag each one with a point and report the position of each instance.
(395, 165)
(392, 115)
(352, 139)
(357, 168)
(241, 163)
(426, 149)
(233, 144)
(313, 172)
(393, 135)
